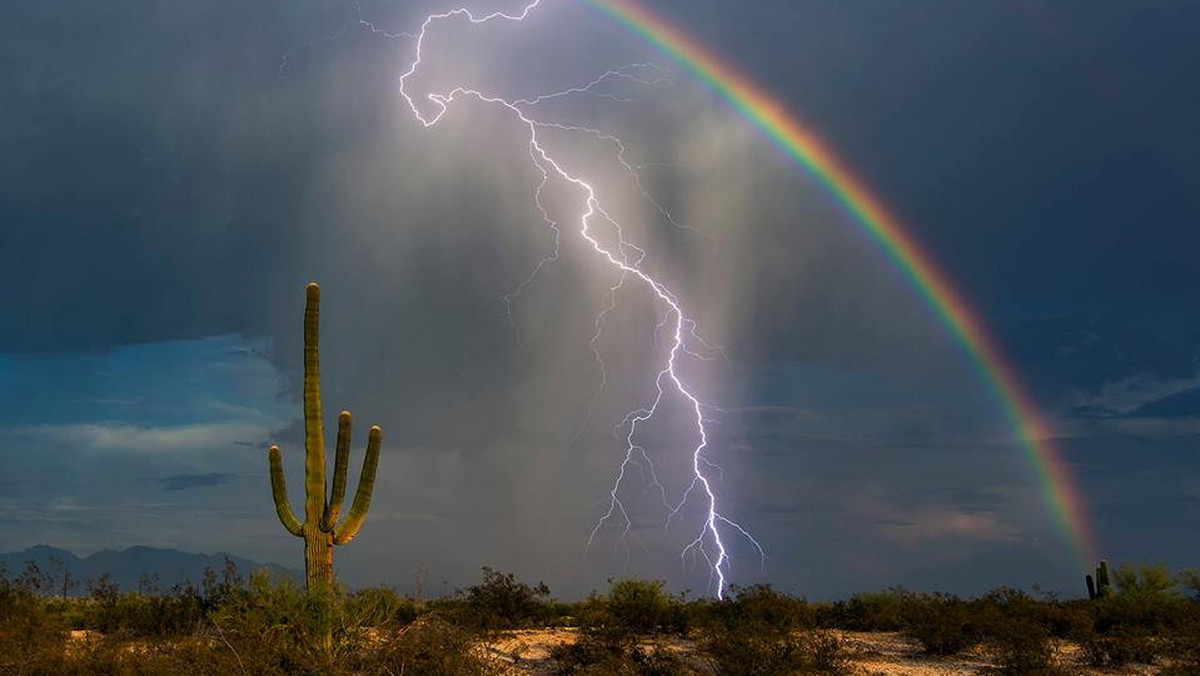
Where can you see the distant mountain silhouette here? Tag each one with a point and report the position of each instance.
(126, 568)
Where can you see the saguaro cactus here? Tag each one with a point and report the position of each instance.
(319, 528)
(1099, 586)
(1103, 588)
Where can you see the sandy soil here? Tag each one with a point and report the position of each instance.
(873, 654)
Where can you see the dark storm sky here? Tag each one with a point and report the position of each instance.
(166, 189)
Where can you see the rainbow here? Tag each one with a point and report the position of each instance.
(951, 308)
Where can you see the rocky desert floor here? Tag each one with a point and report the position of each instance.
(872, 654)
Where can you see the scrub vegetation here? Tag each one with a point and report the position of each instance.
(228, 624)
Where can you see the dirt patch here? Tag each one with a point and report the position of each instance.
(872, 654)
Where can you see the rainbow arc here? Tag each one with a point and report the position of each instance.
(868, 212)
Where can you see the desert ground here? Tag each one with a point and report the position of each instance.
(872, 654)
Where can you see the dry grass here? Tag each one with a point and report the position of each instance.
(506, 627)
(528, 652)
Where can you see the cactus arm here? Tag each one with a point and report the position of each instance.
(362, 497)
(340, 465)
(314, 432)
(279, 492)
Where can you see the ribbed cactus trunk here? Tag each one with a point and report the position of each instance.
(318, 559)
(319, 528)
(318, 544)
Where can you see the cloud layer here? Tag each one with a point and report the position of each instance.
(169, 193)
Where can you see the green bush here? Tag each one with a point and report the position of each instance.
(890, 610)
(500, 601)
(1130, 615)
(1021, 647)
(591, 656)
(1066, 620)
(379, 606)
(944, 625)
(740, 652)
(760, 607)
(642, 607)
(756, 632)
(179, 612)
(1148, 582)
(430, 646)
(619, 633)
(32, 641)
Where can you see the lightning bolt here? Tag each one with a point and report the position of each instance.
(626, 259)
(359, 21)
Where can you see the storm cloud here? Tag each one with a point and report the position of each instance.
(175, 173)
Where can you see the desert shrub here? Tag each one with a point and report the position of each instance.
(890, 610)
(758, 606)
(826, 652)
(618, 633)
(642, 607)
(1146, 581)
(196, 656)
(273, 627)
(1021, 647)
(278, 617)
(380, 606)
(430, 646)
(1135, 631)
(179, 612)
(1147, 603)
(133, 614)
(600, 629)
(1184, 650)
(944, 625)
(1128, 628)
(746, 652)
(630, 612)
(1066, 620)
(70, 611)
(500, 601)
(1146, 619)
(1134, 628)
(592, 657)
(756, 632)
(561, 614)
(268, 627)
(31, 640)
(1016, 629)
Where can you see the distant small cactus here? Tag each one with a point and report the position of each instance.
(1099, 587)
